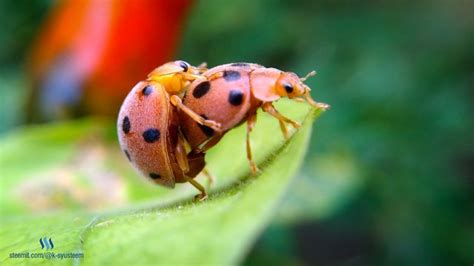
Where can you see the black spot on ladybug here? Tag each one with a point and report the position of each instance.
(184, 66)
(201, 89)
(151, 135)
(205, 129)
(154, 175)
(231, 75)
(240, 64)
(128, 155)
(147, 90)
(235, 97)
(126, 125)
(288, 88)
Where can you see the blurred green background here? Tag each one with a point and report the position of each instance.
(388, 178)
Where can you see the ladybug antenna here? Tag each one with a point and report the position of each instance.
(310, 74)
(202, 67)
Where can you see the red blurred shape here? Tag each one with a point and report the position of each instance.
(91, 52)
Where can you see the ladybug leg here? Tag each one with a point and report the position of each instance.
(250, 124)
(269, 108)
(216, 76)
(300, 100)
(315, 104)
(209, 144)
(176, 101)
(182, 160)
(203, 194)
(190, 76)
(181, 156)
(284, 129)
(209, 176)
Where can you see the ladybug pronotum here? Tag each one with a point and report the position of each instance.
(230, 94)
(149, 129)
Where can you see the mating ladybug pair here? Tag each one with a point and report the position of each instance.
(168, 122)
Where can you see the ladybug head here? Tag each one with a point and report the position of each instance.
(172, 67)
(289, 85)
(292, 86)
(187, 68)
(174, 76)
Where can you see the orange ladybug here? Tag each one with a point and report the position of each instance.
(148, 127)
(231, 94)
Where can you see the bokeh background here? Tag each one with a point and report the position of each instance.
(388, 178)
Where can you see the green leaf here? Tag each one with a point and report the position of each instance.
(150, 224)
(327, 183)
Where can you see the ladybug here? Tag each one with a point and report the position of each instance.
(231, 94)
(148, 127)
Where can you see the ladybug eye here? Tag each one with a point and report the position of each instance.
(184, 66)
(288, 88)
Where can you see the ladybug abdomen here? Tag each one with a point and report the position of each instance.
(143, 130)
(223, 97)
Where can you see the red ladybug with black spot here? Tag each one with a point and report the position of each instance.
(148, 127)
(231, 94)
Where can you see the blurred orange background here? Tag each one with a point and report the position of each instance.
(89, 53)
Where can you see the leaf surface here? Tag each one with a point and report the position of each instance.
(150, 224)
